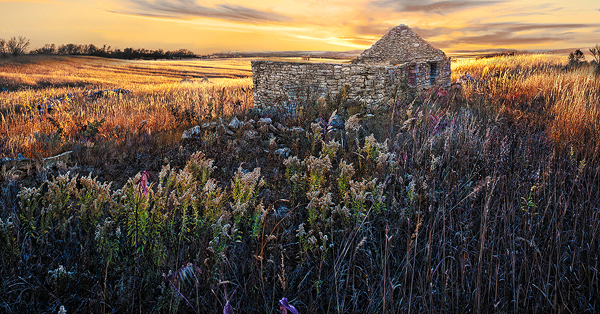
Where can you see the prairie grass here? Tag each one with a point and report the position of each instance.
(483, 198)
(480, 67)
(541, 90)
(167, 95)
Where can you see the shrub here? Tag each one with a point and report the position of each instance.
(576, 58)
(595, 51)
(17, 45)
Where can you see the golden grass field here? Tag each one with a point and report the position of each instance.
(539, 84)
(160, 88)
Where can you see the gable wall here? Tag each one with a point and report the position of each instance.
(290, 83)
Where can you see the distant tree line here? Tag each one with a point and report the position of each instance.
(506, 53)
(108, 52)
(18, 45)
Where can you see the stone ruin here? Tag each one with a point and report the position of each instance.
(399, 61)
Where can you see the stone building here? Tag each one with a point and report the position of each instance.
(399, 61)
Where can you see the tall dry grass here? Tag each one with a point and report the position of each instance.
(543, 90)
(161, 95)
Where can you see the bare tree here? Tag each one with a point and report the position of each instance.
(595, 51)
(2, 46)
(17, 45)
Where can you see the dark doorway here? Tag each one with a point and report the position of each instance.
(432, 73)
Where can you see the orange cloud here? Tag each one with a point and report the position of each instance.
(186, 9)
(440, 7)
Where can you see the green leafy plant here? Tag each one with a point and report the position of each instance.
(59, 210)
(318, 170)
(244, 191)
(528, 203)
(345, 173)
(9, 245)
(29, 201)
(135, 205)
(200, 167)
(330, 149)
(92, 196)
(295, 174)
(360, 193)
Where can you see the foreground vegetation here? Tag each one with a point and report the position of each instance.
(481, 198)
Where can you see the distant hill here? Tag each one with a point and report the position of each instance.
(287, 54)
(351, 54)
(503, 51)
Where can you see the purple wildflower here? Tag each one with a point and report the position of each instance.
(284, 306)
(440, 122)
(327, 125)
(227, 309)
(143, 184)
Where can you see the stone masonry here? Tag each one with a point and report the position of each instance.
(400, 60)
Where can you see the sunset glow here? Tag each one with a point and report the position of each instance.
(235, 25)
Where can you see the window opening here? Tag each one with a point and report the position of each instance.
(432, 73)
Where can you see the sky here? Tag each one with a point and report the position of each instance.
(209, 26)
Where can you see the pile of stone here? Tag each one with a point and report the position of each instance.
(48, 105)
(247, 130)
(22, 165)
(465, 79)
(106, 92)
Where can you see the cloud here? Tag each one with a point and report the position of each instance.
(500, 39)
(439, 7)
(189, 8)
(433, 32)
(502, 34)
(372, 29)
(519, 27)
(32, 1)
(498, 28)
(358, 40)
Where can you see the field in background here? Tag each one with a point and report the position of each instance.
(479, 198)
(167, 95)
(172, 95)
(43, 71)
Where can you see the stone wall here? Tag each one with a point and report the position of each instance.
(288, 84)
